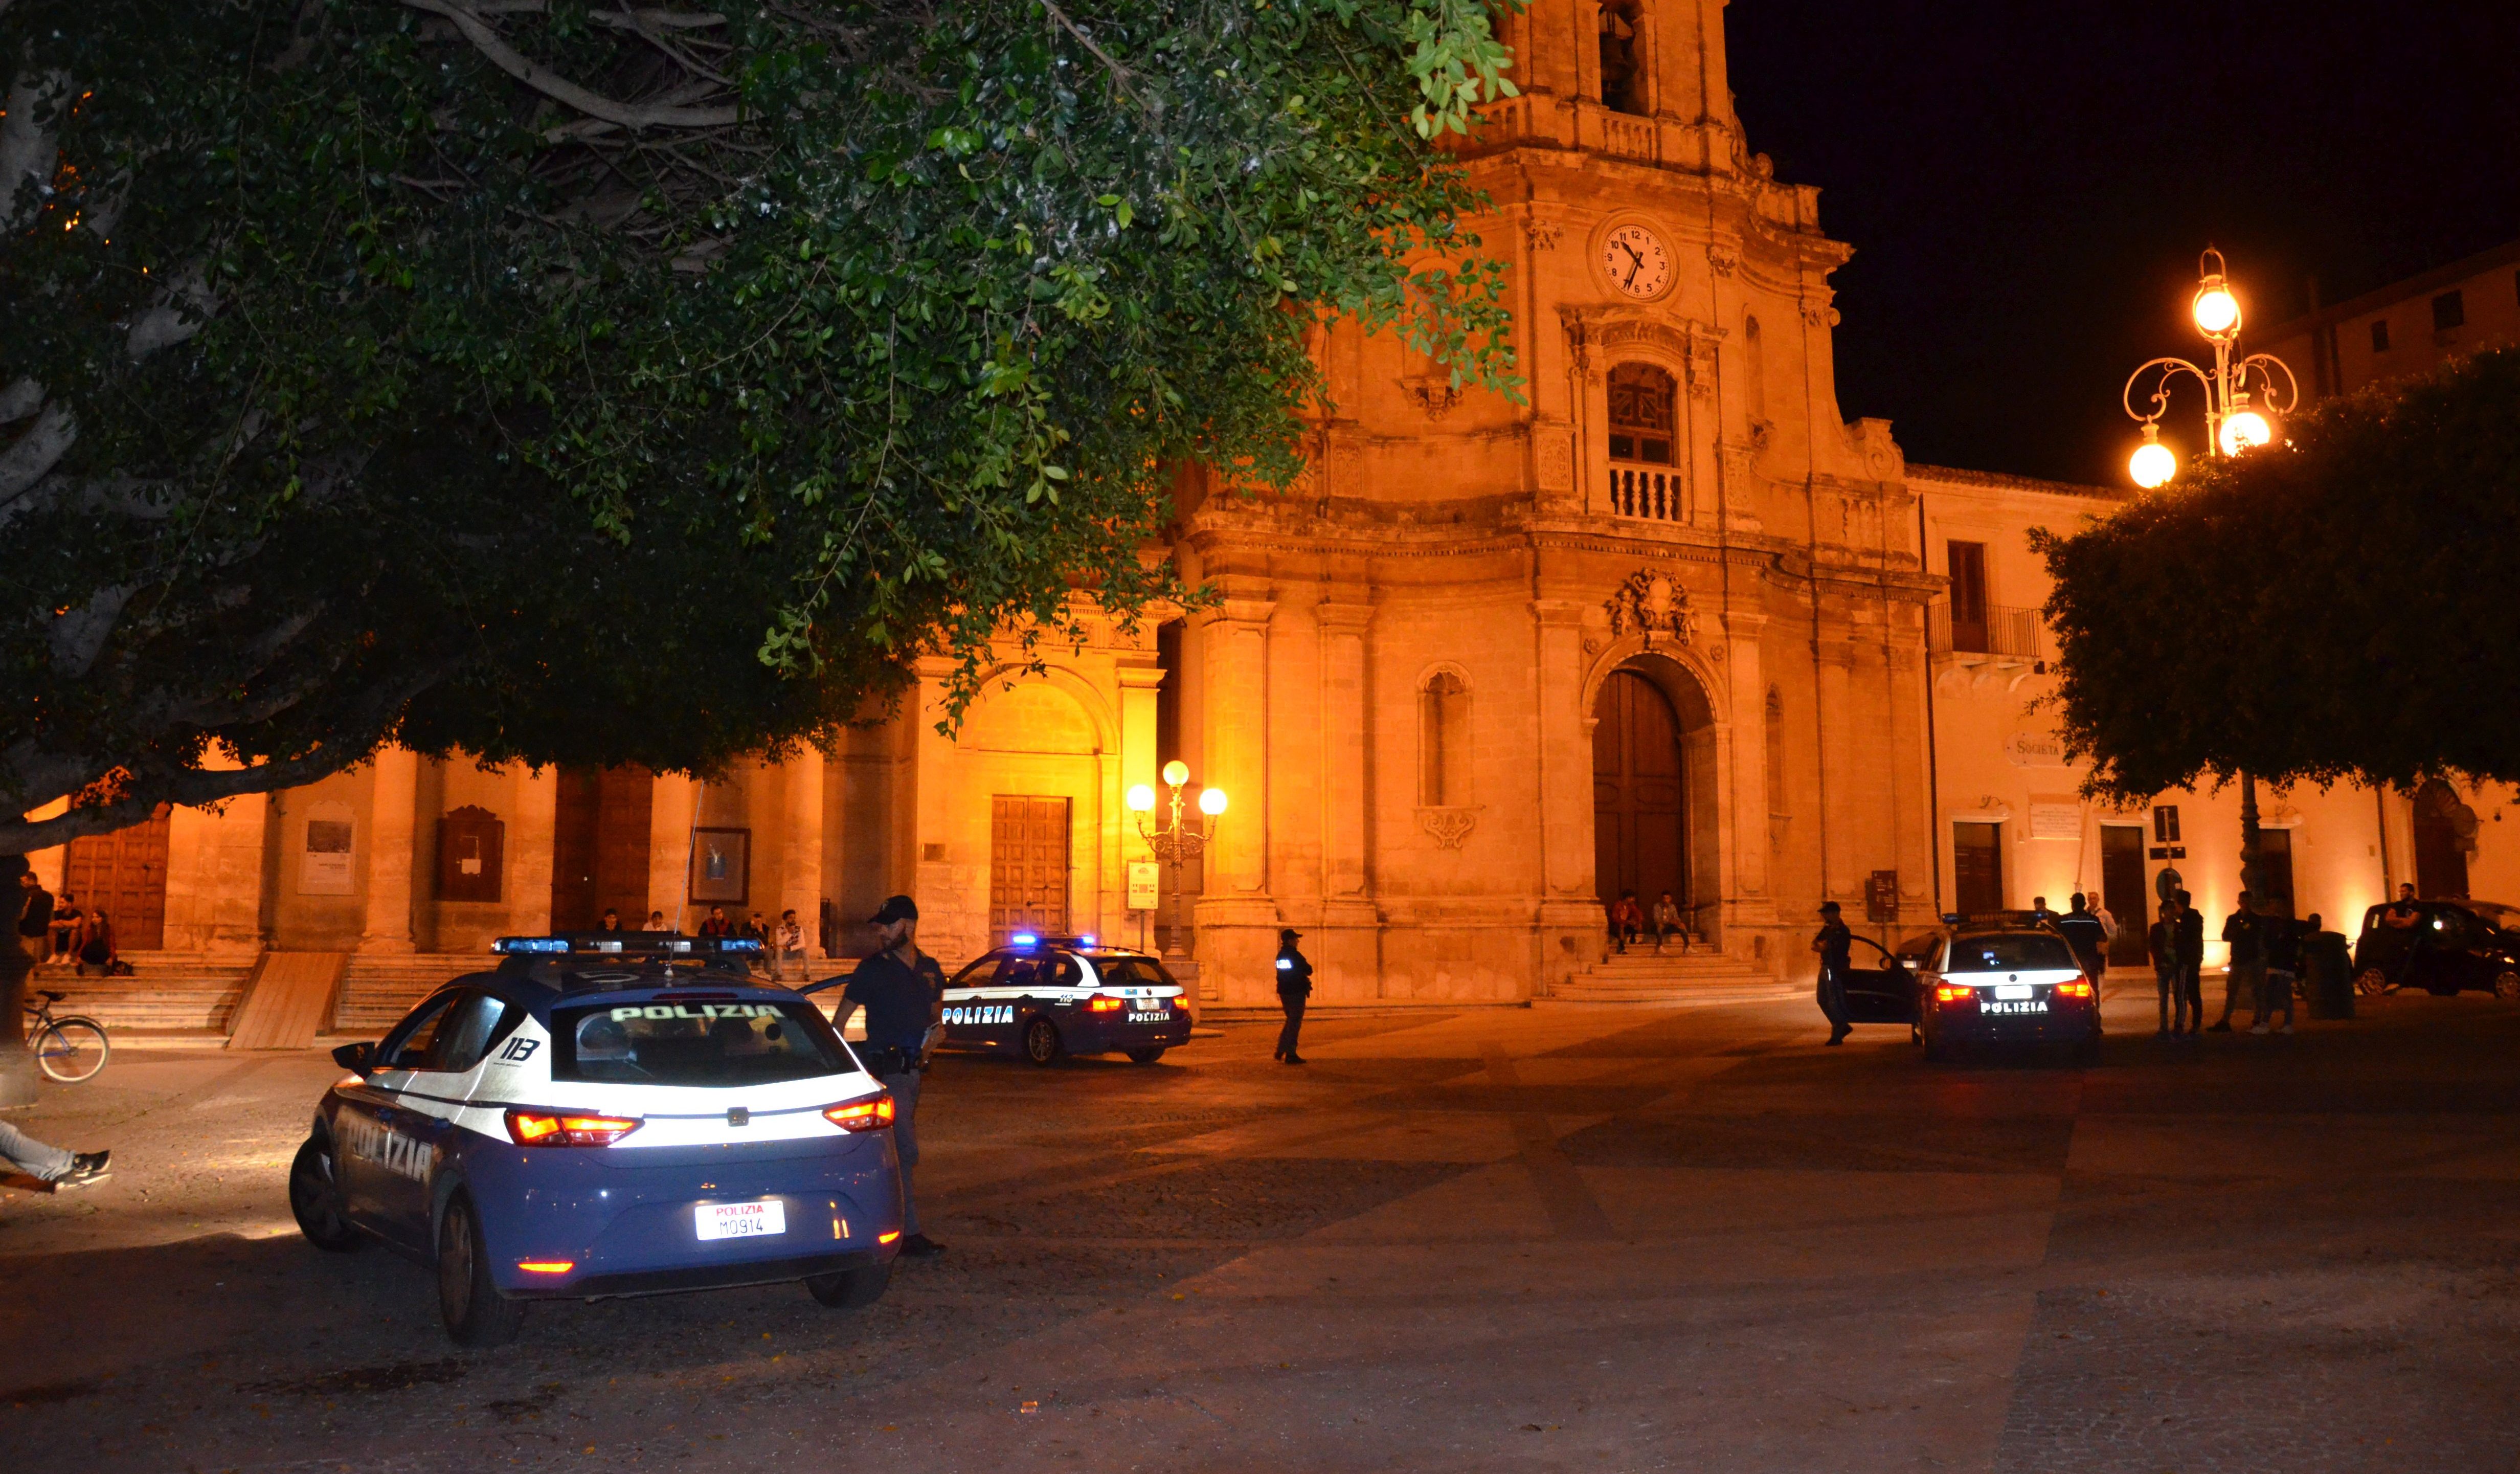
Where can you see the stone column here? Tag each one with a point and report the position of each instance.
(532, 835)
(670, 818)
(1237, 918)
(1139, 688)
(391, 818)
(1570, 914)
(1351, 943)
(1909, 766)
(1837, 841)
(800, 855)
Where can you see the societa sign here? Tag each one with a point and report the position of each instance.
(2035, 749)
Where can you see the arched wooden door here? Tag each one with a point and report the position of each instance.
(1640, 821)
(2441, 850)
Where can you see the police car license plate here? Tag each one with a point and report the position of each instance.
(742, 1219)
(2012, 990)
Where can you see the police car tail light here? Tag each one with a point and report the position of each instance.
(547, 1265)
(1104, 1002)
(2081, 989)
(1954, 993)
(554, 1128)
(873, 1113)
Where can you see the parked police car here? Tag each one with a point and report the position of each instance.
(608, 1115)
(1048, 997)
(2001, 983)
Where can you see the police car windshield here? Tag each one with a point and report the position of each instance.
(2011, 952)
(693, 1043)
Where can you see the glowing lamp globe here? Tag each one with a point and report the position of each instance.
(2216, 310)
(2244, 428)
(1142, 798)
(2152, 465)
(1177, 772)
(1211, 801)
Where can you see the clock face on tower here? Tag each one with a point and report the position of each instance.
(1637, 263)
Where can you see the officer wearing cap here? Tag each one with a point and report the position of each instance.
(1294, 985)
(903, 992)
(1834, 942)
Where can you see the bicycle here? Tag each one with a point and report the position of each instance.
(70, 1048)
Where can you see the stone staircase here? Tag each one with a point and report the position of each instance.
(166, 994)
(379, 990)
(1639, 976)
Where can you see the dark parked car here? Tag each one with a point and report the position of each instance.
(2453, 946)
(2004, 984)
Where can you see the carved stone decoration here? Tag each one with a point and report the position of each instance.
(1654, 602)
(1723, 259)
(1448, 826)
(1436, 394)
(1542, 235)
(1552, 448)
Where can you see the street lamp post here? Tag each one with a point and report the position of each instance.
(1177, 843)
(2233, 425)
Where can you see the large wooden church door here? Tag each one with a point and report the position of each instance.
(1640, 825)
(123, 874)
(1028, 862)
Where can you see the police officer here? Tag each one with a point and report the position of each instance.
(1835, 943)
(903, 992)
(1294, 985)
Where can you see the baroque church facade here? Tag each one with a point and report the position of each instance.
(1669, 623)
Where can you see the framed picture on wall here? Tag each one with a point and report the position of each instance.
(721, 866)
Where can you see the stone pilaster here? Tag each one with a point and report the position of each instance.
(392, 815)
(1235, 916)
(672, 812)
(528, 857)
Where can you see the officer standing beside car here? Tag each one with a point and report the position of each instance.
(1294, 987)
(1835, 943)
(903, 992)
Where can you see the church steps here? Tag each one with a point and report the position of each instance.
(379, 989)
(1643, 978)
(167, 993)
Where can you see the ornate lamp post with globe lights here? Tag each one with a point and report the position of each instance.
(2233, 425)
(1177, 843)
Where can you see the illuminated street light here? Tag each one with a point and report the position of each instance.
(2230, 425)
(1177, 843)
(2151, 465)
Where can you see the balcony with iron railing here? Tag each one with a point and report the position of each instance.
(1989, 633)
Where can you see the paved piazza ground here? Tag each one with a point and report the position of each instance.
(1590, 1239)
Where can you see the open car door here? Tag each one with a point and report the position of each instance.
(1882, 993)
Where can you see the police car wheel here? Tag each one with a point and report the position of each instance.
(851, 1289)
(467, 1299)
(1041, 1042)
(315, 1201)
(2506, 986)
(1147, 1056)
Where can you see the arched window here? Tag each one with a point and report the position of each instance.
(1623, 83)
(1444, 741)
(1643, 401)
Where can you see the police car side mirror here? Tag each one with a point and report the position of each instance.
(360, 1059)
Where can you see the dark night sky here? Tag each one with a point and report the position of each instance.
(2026, 186)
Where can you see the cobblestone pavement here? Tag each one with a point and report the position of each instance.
(1548, 1239)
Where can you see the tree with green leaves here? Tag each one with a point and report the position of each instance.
(2337, 608)
(558, 380)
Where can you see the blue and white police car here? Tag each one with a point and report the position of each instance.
(603, 1115)
(1046, 998)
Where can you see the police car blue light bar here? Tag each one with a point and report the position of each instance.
(619, 942)
(1023, 938)
(530, 945)
(1084, 940)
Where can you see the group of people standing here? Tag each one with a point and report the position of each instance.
(2269, 955)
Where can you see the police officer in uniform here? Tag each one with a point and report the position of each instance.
(1835, 945)
(1294, 985)
(903, 992)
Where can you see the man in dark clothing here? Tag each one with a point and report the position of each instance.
(2246, 931)
(2163, 943)
(903, 992)
(2192, 960)
(35, 918)
(1834, 942)
(1294, 987)
(2282, 950)
(2086, 936)
(2395, 941)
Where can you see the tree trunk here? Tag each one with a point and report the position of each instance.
(2249, 834)
(17, 1067)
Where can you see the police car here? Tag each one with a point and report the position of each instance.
(2001, 983)
(1048, 997)
(606, 1115)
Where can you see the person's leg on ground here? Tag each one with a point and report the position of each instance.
(1833, 1005)
(2280, 985)
(2166, 981)
(2191, 987)
(1290, 1037)
(905, 1145)
(35, 1158)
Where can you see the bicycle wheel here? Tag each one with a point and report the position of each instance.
(71, 1050)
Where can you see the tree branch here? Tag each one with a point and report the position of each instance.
(487, 40)
(35, 454)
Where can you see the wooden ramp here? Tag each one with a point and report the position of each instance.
(288, 1000)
